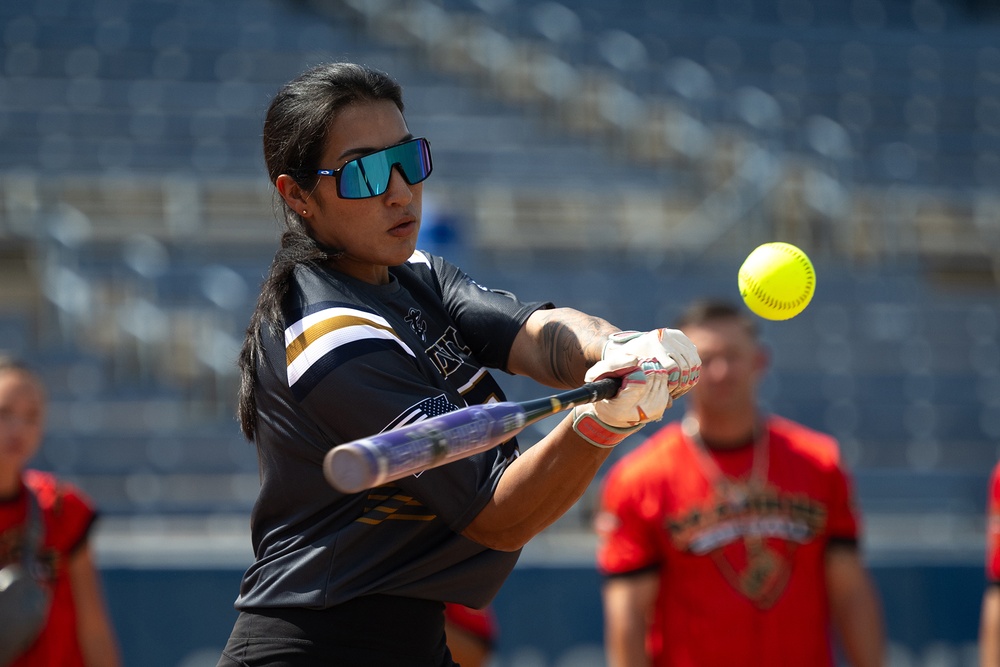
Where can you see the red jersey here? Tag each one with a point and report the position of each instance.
(479, 622)
(67, 516)
(740, 554)
(993, 528)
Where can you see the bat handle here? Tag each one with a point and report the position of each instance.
(605, 389)
(597, 390)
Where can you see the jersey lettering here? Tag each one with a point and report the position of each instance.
(751, 540)
(447, 353)
(792, 517)
(416, 321)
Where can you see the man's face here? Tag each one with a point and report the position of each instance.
(732, 365)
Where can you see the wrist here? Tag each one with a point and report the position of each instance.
(597, 433)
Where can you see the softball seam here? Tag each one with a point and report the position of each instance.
(772, 302)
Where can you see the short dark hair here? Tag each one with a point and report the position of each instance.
(705, 311)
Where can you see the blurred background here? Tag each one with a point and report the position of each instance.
(617, 156)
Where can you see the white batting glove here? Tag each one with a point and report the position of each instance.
(671, 348)
(643, 397)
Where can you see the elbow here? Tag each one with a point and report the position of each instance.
(498, 540)
(506, 546)
(505, 526)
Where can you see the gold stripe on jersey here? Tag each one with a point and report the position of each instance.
(311, 338)
(473, 382)
(310, 335)
(395, 507)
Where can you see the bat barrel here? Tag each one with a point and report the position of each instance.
(352, 467)
(369, 462)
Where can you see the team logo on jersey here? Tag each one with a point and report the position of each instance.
(751, 537)
(418, 412)
(447, 353)
(424, 409)
(416, 321)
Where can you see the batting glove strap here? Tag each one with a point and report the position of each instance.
(618, 339)
(596, 432)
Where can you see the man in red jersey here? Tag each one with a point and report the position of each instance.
(730, 538)
(989, 621)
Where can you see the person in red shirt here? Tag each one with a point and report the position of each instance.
(730, 538)
(989, 622)
(77, 631)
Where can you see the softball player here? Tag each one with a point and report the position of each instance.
(355, 332)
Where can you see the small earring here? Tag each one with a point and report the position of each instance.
(303, 211)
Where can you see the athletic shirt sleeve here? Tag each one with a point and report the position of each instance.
(832, 484)
(843, 522)
(993, 527)
(488, 319)
(625, 523)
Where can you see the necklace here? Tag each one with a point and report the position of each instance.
(731, 490)
(763, 576)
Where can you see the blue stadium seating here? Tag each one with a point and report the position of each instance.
(902, 369)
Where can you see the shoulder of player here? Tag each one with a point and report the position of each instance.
(422, 260)
(55, 495)
(438, 273)
(317, 295)
(804, 440)
(653, 457)
(421, 265)
(45, 485)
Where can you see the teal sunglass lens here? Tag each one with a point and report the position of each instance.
(365, 177)
(368, 176)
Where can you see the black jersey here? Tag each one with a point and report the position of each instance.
(353, 360)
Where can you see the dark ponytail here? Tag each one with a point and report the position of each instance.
(295, 133)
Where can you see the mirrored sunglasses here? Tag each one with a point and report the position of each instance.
(368, 175)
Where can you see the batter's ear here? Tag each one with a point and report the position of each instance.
(293, 194)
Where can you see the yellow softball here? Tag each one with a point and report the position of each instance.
(777, 281)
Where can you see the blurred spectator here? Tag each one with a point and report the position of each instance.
(730, 538)
(77, 630)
